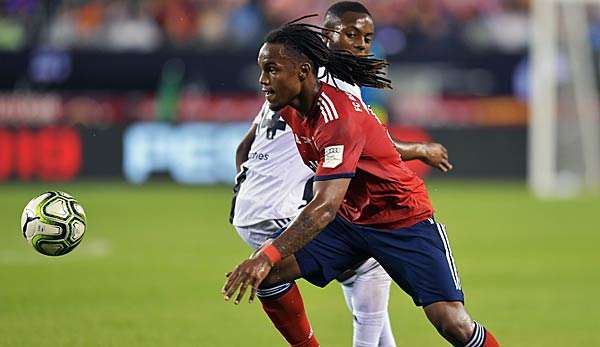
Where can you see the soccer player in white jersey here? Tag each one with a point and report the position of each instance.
(273, 184)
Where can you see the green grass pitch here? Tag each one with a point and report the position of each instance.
(151, 266)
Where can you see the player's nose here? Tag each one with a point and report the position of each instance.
(262, 79)
(360, 46)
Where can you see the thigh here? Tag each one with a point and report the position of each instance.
(334, 250)
(287, 270)
(419, 260)
(370, 290)
(370, 268)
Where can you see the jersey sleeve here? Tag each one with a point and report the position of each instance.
(340, 144)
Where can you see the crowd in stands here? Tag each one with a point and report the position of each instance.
(148, 25)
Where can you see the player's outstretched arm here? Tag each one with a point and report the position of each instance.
(314, 218)
(328, 196)
(433, 154)
(241, 153)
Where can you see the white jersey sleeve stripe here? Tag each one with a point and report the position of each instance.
(324, 113)
(328, 114)
(328, 100)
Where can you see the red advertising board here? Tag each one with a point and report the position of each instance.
(48, 154)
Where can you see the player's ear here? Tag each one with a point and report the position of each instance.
(328, 36)
(334, 26)
(331, 22)
(304, 71)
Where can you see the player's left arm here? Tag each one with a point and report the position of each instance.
(431, 153)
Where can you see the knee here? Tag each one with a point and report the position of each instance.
(456, 328)
(374, 319)
(271, 281)
(274, 292)
(285, 271)
(451, 320)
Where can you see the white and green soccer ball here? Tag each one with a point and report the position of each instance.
(54, 223)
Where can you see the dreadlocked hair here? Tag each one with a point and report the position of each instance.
(309, 40)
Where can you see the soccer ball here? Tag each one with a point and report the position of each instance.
(54, 223)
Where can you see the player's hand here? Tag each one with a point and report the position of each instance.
(250, 273)
(436, 155)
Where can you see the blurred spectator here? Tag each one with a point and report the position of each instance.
(13, 24)
(12, 34)
(62, 28)
(146, 25)
(131, 27)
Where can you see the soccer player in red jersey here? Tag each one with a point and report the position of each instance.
(367, 203)
(268, 191)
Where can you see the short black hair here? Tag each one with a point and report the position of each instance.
(340, 8)
(308, 41)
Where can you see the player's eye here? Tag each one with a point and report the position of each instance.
(351, 35)
(368, 39)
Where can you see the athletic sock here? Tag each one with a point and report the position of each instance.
(284, 306)
(482, 338)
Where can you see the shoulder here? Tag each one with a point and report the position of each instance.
(338, 116)
(337, 104)
(339, 84)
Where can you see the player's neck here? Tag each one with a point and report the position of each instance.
(305, 101)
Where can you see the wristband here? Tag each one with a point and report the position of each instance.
(272, 253)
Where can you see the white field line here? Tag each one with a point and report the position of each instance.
(95, 248)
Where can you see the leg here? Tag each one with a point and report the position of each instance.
(387, 337)
(285, 271)
(330, 253)
(420, 260)
(453, 322)
(282, 302)
(367, 295)
(286, 310)
(279, 295)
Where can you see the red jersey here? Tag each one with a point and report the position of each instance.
(341, 139)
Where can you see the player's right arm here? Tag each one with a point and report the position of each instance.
(328, 196)
(241, 153)
(340, 143)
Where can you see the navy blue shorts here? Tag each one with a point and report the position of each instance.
(418, 258)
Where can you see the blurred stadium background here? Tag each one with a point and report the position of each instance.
(136, 107)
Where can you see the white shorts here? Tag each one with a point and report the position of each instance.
(256, 235)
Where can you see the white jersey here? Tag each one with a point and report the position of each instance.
(272, 182)
(345, 86)
(274, 176)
